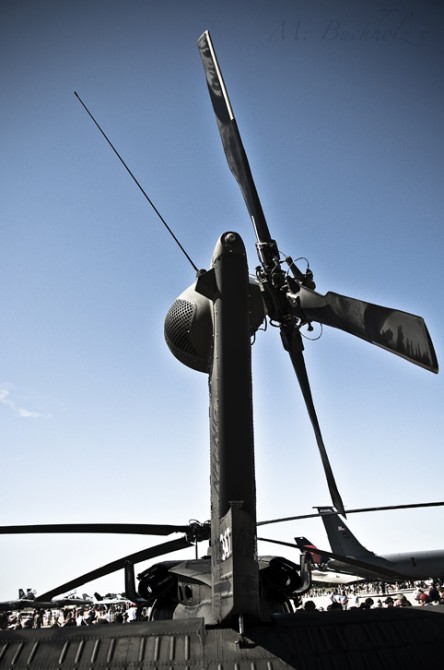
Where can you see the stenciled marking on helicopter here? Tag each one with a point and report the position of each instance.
(226, 545)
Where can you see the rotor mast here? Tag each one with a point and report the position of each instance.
(233, 487)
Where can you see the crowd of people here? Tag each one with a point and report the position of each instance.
(88, 615)
(355, 597)
(365, 587)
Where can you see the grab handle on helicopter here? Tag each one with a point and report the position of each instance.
(305, 573)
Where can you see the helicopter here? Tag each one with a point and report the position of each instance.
(233, 607)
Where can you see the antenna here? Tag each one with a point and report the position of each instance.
(137, 182)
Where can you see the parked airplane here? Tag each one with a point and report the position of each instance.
(320, 576)
(29, 601)
(109, 599)
(349, 555)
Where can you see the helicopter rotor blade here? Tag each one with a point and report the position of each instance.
(267, 249)
(292, 342)
(401, 333)
(231, 140)
(356, 510)
(384, 571)
(380, 570)
(124, 528)
(144, 555)
(292, 545)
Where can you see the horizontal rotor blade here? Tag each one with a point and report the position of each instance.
(144, 555)
(231, 140)
(401, 333)
(293, 344)
(380, 570)
(120, 528)
(281, 542)
(384, 508)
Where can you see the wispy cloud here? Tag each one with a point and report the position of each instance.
(5, 399)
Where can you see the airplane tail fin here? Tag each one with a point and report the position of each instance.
(317, 556)
(342, 540)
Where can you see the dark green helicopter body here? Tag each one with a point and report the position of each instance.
(233, 609)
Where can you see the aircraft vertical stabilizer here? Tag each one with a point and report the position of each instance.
(342, 540)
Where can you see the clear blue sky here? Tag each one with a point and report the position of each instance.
(340, 107)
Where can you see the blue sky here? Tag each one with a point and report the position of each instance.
(340, 108)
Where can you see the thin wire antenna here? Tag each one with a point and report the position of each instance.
(136, 182)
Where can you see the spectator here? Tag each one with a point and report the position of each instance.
(132, 614)
(69, 619)
(334, 606)
(433, 594)
(422, 597)
(80, 619)
(310, 606)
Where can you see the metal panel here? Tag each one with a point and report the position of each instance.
(399, 639)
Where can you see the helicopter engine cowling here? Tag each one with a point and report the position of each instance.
(188, 326)
(157, 581)
(280, 576)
